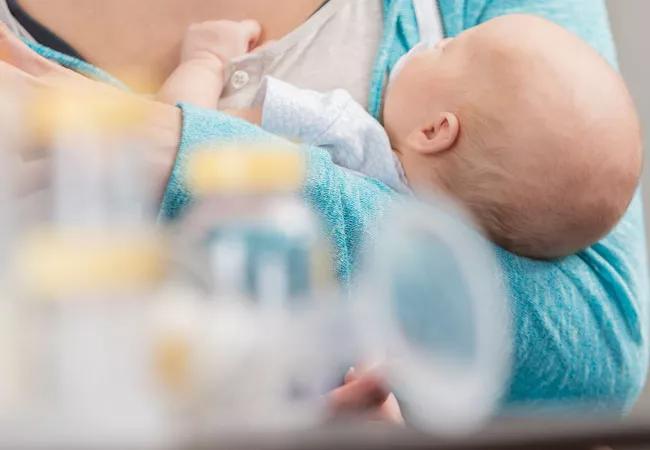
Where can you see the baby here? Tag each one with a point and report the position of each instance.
(518, 119)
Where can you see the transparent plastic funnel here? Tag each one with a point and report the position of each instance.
(432, 315)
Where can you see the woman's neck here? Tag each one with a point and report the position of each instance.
(139, 40)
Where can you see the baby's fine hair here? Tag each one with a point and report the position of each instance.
(549, 153)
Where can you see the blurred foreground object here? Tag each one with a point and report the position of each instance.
(271, 289)
(111, 333)
(433, 317)
(85, 270)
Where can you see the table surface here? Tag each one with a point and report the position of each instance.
(520, 434)
(510, 434)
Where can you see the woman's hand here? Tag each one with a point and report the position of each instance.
(27, 74)
(365, 393)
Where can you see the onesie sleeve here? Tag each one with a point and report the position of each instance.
(334, 122)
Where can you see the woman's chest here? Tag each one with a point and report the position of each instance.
(140, 40)
(334, 48)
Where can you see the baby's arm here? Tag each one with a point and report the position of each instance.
(207, 48)
(333, 121)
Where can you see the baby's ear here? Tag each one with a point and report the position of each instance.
(436, 136)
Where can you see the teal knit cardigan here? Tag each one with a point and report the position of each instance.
(579, 324)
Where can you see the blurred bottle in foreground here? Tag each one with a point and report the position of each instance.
(432, 316)
(84, 274)
(102, 344)
(272, 291)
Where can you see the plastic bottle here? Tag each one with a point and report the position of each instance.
(86, 269)
(271, 289)
(432, 316)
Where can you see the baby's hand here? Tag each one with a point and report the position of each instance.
(221, 39)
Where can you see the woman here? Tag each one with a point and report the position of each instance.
(579, 323)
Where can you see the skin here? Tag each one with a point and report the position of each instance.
(420, 108)
(22, 70)
(132, 27)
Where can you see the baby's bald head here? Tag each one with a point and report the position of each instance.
(549, 154)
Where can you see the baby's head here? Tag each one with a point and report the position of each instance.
(524, 124)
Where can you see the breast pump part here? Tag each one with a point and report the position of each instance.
(431, 312)
(87, 264)
(93, 147)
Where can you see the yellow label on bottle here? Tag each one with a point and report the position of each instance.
(246, 170)
(55, 264)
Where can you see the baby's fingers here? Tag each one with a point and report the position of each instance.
(251, 31)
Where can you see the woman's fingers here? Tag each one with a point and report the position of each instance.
(363, 394)
(351, 375)
(13, 51)
(15, 83)
(16, 53)
(389, 411)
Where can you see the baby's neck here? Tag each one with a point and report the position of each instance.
(398, 158)
(419, 173)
